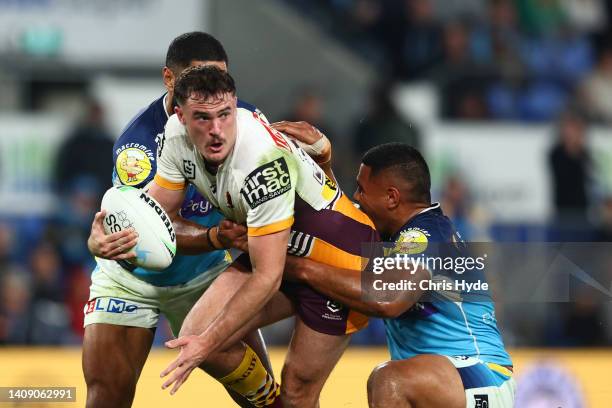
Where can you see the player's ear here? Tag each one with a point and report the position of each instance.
(168, 77)
(180, 114)
(393, 197)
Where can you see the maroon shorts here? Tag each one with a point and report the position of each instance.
(316, 310)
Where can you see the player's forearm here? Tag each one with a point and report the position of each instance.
(193, 238)
(343, 285)
(268, 254)
(242, 307)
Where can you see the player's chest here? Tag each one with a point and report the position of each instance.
(222, 192)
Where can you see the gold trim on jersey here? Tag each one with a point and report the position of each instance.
(270, 228)
(355, 322)
(168, 185)
(500, 369)
(346, 207)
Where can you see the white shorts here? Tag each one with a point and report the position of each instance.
(487, 385)
(118, 297)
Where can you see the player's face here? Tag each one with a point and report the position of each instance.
(211, 125)
(371, 196)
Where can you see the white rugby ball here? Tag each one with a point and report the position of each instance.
(131, 207)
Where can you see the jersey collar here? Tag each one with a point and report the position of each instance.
(434, 206)
(164, 100)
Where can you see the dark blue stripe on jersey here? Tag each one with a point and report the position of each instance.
(479, 375)
(246, 105)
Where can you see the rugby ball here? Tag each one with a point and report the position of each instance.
(131, 207)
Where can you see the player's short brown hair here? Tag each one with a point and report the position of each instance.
(203, 82)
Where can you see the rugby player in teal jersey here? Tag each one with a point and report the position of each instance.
(446, 349)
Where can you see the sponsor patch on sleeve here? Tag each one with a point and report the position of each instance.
(133, 165)
(266, 182)
(412, 241)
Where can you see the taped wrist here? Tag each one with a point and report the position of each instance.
(320, 150)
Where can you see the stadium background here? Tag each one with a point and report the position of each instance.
(511, 102)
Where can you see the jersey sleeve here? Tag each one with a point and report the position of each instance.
(134, 160)
(169, 173)
(269, 194)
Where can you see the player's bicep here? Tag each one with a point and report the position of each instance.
(170, 199)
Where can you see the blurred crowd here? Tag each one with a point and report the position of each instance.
(45, 265)
(522, 60)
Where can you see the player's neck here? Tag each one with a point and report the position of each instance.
(211, 168)
(169, 104)
(403, 215)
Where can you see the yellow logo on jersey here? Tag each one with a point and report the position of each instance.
(411, 241)
(133, 166)
(329, 189)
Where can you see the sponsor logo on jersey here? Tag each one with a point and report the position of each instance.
(160, 140)
(195, 205)
(481, 401)
(110, 305)
(412, 241)
(334, 306)
(334, 311)
(189, 169)
(329, 189)
(133, 164)
(167, 222)
(266, 182)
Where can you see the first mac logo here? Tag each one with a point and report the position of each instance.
(266, 182)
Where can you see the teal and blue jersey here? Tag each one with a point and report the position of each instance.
(134, 155)
(452, 323)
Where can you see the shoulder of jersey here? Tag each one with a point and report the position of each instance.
(174, 128)
(436, 227)
(144, 125)
(134, 152)
(255, 131)
(252, 108)
(257, 143)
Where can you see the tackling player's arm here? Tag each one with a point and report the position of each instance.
(344, 285)
(191, 238)
(315, 143)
